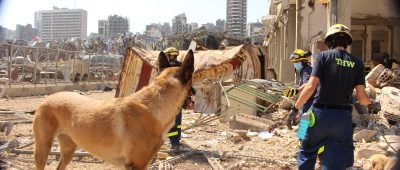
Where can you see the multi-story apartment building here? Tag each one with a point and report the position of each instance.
(236, 17)
(118, 25)
(255, 28)
(61, 23)
(193, 26)
(209, 26)
(26, 33)
(220, 25)
(179, 24)
(166, 29)
(154, 30)
(103, 28)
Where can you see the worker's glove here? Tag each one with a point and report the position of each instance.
(291, 120)
(290, 92)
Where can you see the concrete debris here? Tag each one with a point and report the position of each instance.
(364, 134)
(285, 104)
(246, 122)
(235, 138)
(389, 100)
(382, 77)
(383, 145)
(392, 140)
(6, 127)
(162, 155)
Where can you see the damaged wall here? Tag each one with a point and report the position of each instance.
(375, 26)
(365, 8)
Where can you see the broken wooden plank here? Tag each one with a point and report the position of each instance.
(214, 162)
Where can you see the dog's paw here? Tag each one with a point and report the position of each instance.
(165, 166)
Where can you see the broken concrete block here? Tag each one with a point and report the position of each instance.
(242, 133)
(285, 104)
(252, 123)
(162, 155)
(234, 137)
(389, 100)
(364, 134)
(383, 145)
(367, 153)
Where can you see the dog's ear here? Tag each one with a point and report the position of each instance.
(162, 61)
(187, 67)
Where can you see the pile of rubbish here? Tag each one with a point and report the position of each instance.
(377, 136)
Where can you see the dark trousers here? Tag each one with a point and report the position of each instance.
(174, 133)
(332, 129)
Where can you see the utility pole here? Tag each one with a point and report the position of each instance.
(297, 38)
(333, 12)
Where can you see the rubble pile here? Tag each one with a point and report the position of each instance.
(379, 132)
(245, 141)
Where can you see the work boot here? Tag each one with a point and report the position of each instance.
(176, 147)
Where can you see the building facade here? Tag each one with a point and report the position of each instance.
(26, 33)
(154, 30)
(103, 28)
(166, 29)
(193, 26)
(375, 29)
(209, 26)
(61, 23)
(118, 25)
(220, 25)
(255, 28)
(179, 24)
(236, 17)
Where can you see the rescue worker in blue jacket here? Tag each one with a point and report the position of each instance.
(336, 73)
(300, 59)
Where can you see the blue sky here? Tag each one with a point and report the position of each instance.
(140, 12)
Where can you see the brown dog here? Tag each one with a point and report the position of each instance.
(381, 162)
(126, 132)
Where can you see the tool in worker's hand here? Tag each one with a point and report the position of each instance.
(290, 92)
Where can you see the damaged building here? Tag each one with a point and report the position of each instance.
(292, 24)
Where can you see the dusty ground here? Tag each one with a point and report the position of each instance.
(215, 138)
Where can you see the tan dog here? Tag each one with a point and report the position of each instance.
(126, 132)
(381, 162)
